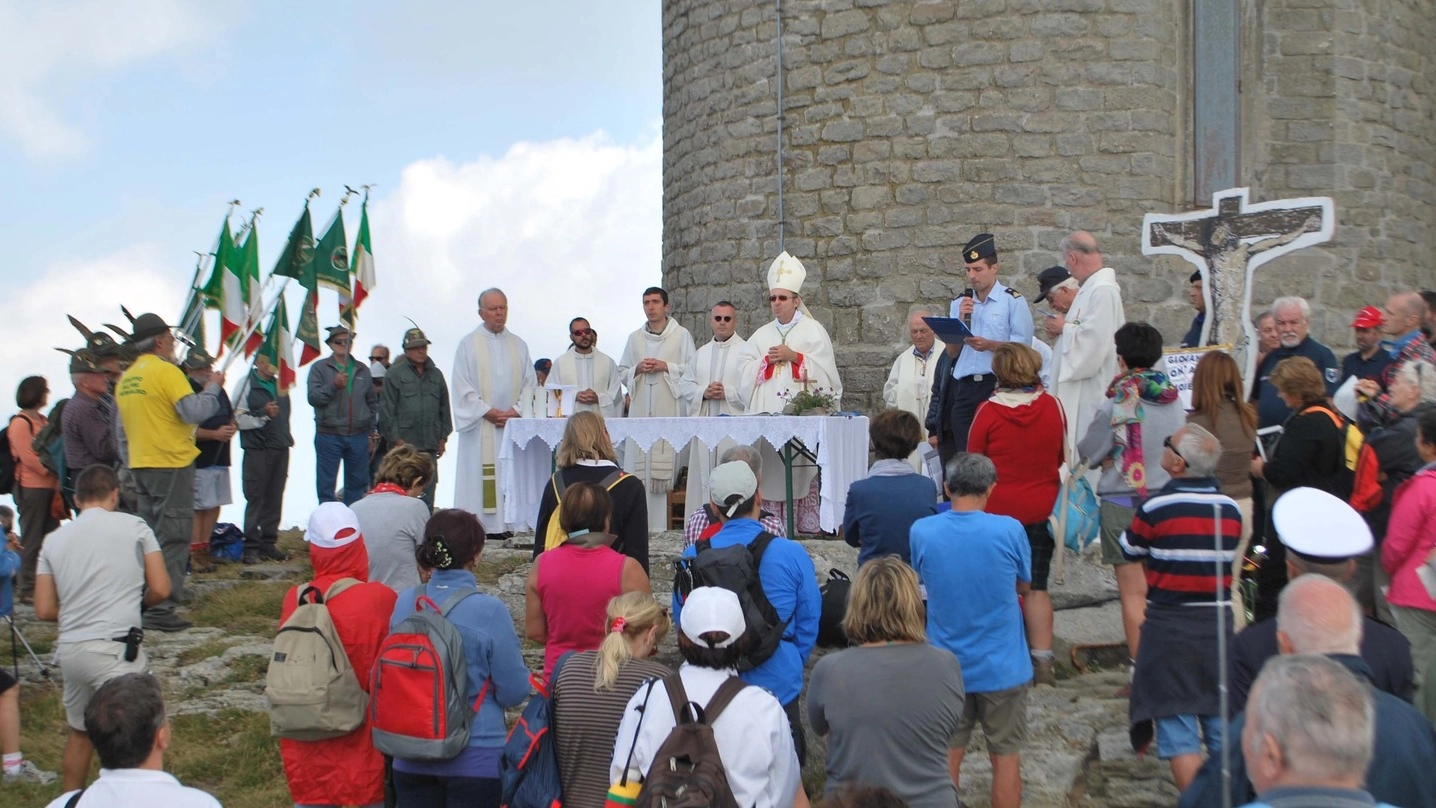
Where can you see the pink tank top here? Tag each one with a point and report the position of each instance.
(575, 585)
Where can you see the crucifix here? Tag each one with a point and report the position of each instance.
(1227, 243)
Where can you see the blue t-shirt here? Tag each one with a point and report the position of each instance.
(791, 584)
(1271, 410)
(970, 563)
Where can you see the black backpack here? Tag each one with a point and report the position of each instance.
(7, 460)
(735, 568)
(687, 770)
(835, 607)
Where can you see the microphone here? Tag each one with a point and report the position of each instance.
(968, 293)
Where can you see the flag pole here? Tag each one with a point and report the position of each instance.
(251, 327)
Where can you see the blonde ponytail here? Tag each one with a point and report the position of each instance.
(630, 616)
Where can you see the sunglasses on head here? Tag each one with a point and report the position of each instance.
(778, 298)
(582, 332)
(722, 318)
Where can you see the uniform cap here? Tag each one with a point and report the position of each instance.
(148, 325)
(1319, 527)
(982, 245)
(414, 338)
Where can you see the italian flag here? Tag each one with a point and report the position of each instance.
(278, 346)
(363, 266)
(247, 270)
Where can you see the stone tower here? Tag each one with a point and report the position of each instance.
(908, 127)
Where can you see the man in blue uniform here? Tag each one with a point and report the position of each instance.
(1293, 325)
(995, 314)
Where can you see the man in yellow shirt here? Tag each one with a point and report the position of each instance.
(158, 412)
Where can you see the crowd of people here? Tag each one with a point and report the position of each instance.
(948, 625)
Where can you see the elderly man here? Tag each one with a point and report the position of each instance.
(380, 354)
(345, 407)
(909, 384)
(1174, 534)
(492, 369)
(265, 438)
(1369, 359)
(591, 371)
(1292, 317)
(1195, 294)
(88, 425)
(414, 410)
(1405, 314)
(652, 366)
(995, 314)
(158, 410)
(1317, 616)
(212, 437)
(1085, 356)
(1267, 339)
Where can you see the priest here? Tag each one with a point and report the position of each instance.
(909, 384)
(492, 370)
(652, 366)
(711, 387)
(590, 371)
(1085, 357)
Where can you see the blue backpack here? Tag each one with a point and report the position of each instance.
(528, 769)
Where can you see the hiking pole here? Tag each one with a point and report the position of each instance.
(16, 633)
(1222, 677)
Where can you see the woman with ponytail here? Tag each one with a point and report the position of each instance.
(594, 686)
(393, 517)
(453, 542)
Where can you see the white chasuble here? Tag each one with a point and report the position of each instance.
(1085, 356)
(715, 362)
(491, 371)
(656, 395)
(594, 371)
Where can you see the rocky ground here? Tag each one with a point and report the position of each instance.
(1078, 754)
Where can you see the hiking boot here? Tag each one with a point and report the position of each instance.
(271, 553)
(1044, 671)
(28, 773)
(166, 622)
(251, 558)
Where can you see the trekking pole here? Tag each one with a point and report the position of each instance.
(1222, 677)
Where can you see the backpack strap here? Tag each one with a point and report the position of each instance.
(725, 694)
(75, 800)
(758, 546)
(454, 601)
(642, 711)
(560, 485)
(613, 478)
(339, 586)
(677, 696)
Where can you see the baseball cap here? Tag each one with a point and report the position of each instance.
(332, 525)
(729, 479)
(1369, 317)
(712, 608)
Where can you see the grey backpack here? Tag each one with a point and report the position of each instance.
(312, 689)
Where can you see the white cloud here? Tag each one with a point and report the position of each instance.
(42, 44)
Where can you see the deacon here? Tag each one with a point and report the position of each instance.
(345, 406)
(786, 356)
(711, 386)
(414, 407)
(652, 366)
(1085, 357)
(591, 371)
(491, 371)
(909, 384)
(995, 314)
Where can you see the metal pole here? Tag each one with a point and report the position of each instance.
(1223, 698)
(790, 506)
(778, 10)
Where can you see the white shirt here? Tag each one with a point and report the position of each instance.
(752, 736)
(138, 788)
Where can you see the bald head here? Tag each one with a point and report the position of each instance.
(919, 331)
(1405, 312)
(1080, 255)
(1316, 615)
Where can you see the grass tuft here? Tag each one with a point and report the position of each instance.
(250, 609)
(488, 571)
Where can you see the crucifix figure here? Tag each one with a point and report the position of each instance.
(1227, 243)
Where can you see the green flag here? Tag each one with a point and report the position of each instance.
(246, 268)
(213, 290)
(331, 257)
(297, 261)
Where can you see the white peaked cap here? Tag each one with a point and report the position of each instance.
(787, 272)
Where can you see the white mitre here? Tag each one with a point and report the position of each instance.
(787, 272)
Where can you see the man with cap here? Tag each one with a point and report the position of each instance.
(1319, 623)
(787, 577)
(88, 425)
(158, 410)
(1084, 357)
(107, 356)
(995, 314)
(591, 371)
(491, 371)
(1323, 535)
(1193, 338)
(652, 366)
(211, 468)
(341, 392)
(265, 437)
(414, 409)
(1369, 359)
(909, 384)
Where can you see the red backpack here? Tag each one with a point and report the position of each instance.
(1360, 467)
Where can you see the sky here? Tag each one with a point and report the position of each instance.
(515, 145)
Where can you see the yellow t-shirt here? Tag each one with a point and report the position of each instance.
(146, 397)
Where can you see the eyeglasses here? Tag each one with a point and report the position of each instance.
(723, 318)
(582, 332)
(778, 298)
(1168, 443)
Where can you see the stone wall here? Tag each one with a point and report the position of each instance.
(909, 127)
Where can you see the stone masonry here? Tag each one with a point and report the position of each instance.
(909, 127)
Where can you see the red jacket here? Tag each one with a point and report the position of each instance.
(1024, 439)
(346, 770)
(1410, 537)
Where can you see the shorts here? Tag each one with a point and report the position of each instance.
(7, 681)
(1115, 520)
(1039, 536)
(1003, 714)
(1177, 735)
(211, 488)
(88, 664)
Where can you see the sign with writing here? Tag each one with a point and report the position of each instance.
(1182, 368)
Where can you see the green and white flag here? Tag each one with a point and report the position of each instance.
(297, 261)
(331, 257)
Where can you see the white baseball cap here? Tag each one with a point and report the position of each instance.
(332, 525)
(712, 608)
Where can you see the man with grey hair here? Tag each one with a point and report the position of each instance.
(1084, 358)
(909, 384)
(1405, 343)
(1186, 534)
(1310, 718)
(492, 369)
(1292, 317)
(704, 522)
(970, 562)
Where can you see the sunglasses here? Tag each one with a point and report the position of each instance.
(377, 358)
(778, 298)
(1168, 443)
(582, 332)
(722, 318)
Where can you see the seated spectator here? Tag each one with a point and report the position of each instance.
(704, 522)
(453, 542)
(788, 579)
(1126, 440)
(569, 587)
(392, 517)
(35, 485)
(1022, 430)
(94, 575)
(346, 770)
(974, 565)
(126, 718)
(1177, 678)
(888, 705)
(17, 768)
(586, 455)
(593, 689)
(750, 730)
(881, 508)
(1410, 540)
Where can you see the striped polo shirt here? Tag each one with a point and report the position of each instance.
(1175, 533)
